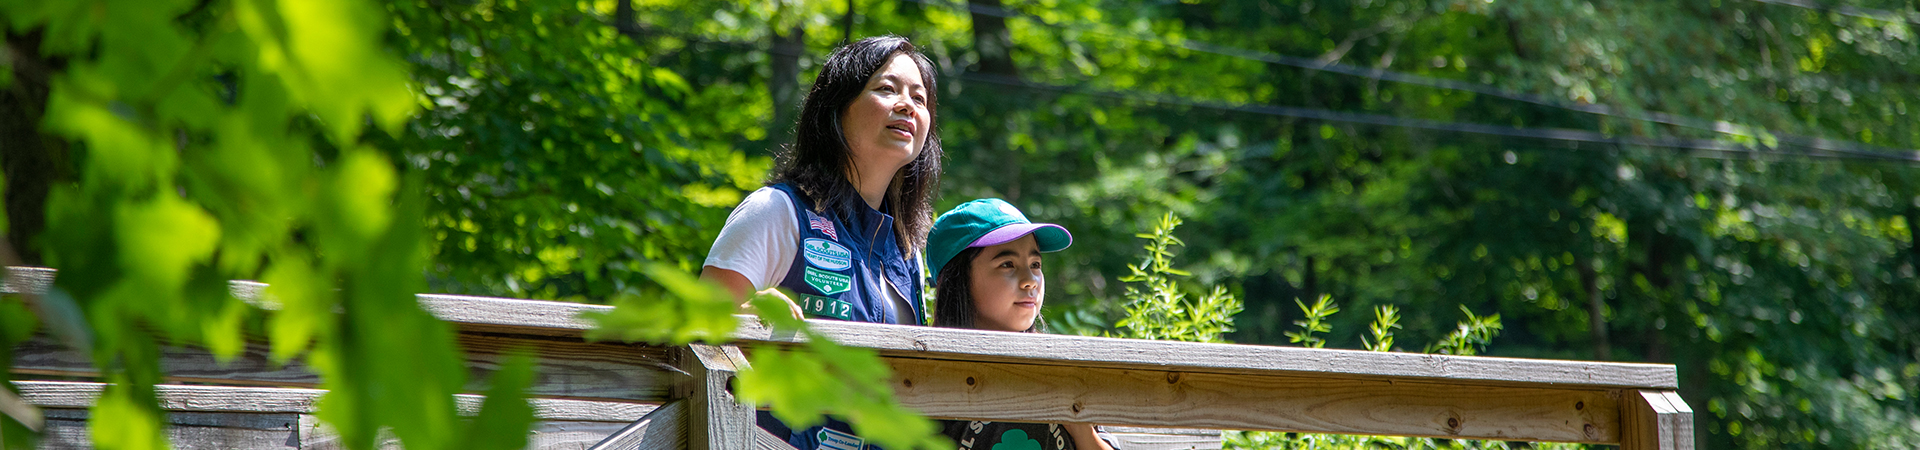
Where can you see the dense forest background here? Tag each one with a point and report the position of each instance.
(1725, 185)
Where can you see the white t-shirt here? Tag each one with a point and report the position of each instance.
(762, 237)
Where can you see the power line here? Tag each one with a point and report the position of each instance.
(1717, 126)
(1846, 10)
(1554, 134)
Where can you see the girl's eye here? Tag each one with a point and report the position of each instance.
(1036, 265)
(1006, 264)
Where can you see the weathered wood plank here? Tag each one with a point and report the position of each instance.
(26, 280)
(1025, 393)
(67, 428)
(1656, 420)
(543, 435)
(531, 317)
(537, 317)
(763, 440)
(77, 394)
(1081, 351)
(568, 369)
(1163, 441)
(1682, 419)
(664, 429)
(716, 420)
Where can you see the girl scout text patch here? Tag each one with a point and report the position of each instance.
(828, 283)
(827, 254)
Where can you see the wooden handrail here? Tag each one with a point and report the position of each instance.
(985, 375)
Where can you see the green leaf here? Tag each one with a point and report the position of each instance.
(505, 415)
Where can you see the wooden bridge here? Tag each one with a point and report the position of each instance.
(1150, 394)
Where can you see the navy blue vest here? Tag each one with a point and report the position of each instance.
(845, 265)
(842, 272)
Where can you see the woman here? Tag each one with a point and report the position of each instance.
(849, 205)
(850, 202)
(986, 259)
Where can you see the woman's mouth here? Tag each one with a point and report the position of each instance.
(903, 128)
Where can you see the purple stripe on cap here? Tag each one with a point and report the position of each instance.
(1010, 233)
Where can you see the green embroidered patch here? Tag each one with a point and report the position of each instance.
(828, 283)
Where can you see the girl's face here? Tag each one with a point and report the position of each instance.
(886, 125)
(1008, 286)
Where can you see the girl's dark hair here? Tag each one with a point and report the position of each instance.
(819, 160)
(953, 294)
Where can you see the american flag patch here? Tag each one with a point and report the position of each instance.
(822, 224)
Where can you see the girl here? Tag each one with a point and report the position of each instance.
(848, 205)
(986, 259)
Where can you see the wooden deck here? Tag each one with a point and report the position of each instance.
(1155, 394)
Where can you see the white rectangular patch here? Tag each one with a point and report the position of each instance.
(835, 440)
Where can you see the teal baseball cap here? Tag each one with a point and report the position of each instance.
(985, 223)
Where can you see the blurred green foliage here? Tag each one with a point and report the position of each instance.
(223, 140)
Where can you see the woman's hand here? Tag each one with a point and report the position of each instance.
(775, 292)
(740, 286)
(1084, 438)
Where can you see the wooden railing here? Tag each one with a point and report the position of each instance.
(616, 395)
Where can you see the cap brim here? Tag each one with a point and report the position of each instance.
(1049, 237)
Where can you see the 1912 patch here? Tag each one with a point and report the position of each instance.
(828, 283)
(826, 307)
(826, 254)
(831, 439)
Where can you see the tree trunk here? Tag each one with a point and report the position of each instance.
(1913, 235)
(784, 86)
(32, 162)
(1596, 311)
(846, 25)
(992, 40)
(623, 18)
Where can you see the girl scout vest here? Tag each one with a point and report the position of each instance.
(847, 269)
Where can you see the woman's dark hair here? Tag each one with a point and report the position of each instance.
(953, 294)
(819, 160)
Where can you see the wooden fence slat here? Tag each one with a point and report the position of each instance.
(1655, 420)
(577, 370)
(1682, 419)
(561, 319)
(1083, 351)
(763, 440)
(80, 395)
(664, 429)
(716, 420)
(1021, 393)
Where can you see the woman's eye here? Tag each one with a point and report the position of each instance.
(920, 99)
(886, 89)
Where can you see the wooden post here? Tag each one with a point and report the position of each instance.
(663, 429)
(715, 419)
(1655, 420)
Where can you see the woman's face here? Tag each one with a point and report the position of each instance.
(886, 124)
(1008, 286)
